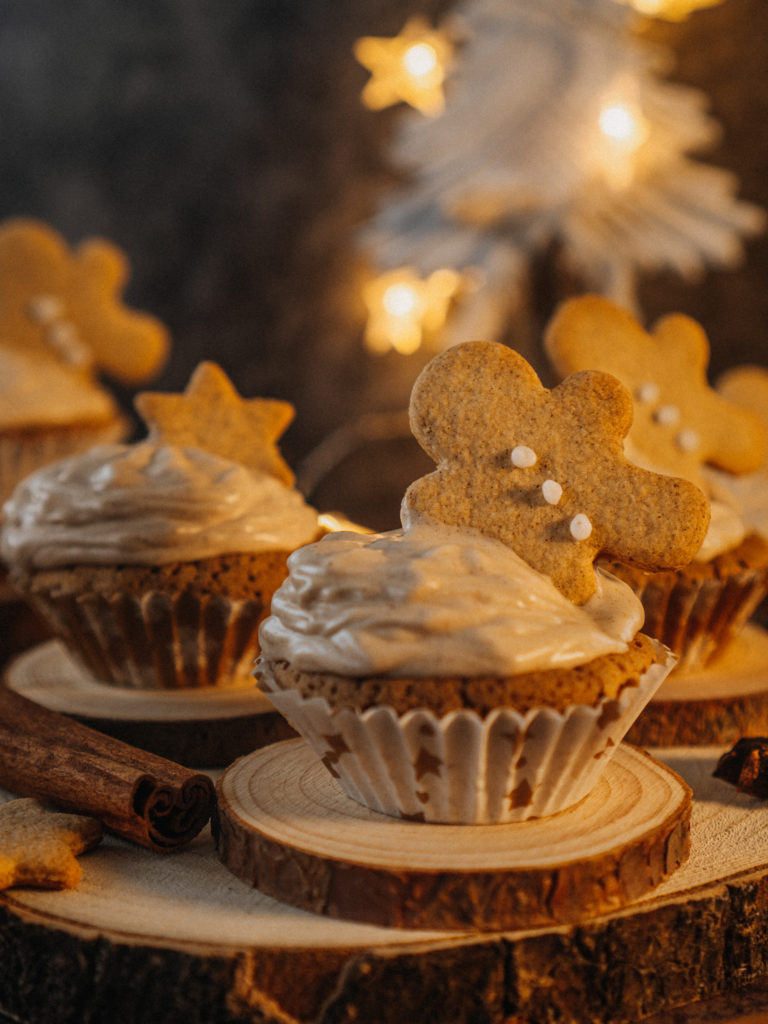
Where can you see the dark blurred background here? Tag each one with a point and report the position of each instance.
(223, 145)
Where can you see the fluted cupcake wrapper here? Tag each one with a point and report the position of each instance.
(461, 768)
(158, 640)
(698, 618)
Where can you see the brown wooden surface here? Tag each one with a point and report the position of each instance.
(716, 705)
(204, 728)
(188, 939)
(284, 826)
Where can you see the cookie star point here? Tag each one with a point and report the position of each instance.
(39, 847)
(210, 414)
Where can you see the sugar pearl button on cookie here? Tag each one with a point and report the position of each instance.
(552, 491)
(522, 456)
(580, 527)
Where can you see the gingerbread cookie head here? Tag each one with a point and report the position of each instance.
(747, 387)
(680, 423)
(544, 471)
(211, 415)
(66, 304)
(38, 847)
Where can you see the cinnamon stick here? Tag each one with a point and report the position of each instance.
(137, 795)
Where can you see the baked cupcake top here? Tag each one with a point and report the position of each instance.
(175, 496)
(493, 569)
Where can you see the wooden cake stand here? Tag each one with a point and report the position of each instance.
(716, 705)
(203, 728)
(180, 938)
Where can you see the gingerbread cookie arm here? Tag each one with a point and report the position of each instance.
(735, 439)
(128, 345)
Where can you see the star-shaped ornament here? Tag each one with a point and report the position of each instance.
(408, 68)
(38, 847)
(211, 415)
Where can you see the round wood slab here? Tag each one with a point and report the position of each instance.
(286, 827)
(180, 938)
(716, 705)
(201, 728)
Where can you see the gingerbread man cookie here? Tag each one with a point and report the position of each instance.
(211, 415)
(67, 304)
(544, 471)
(38, 847)
(747, 387)
(680, 422)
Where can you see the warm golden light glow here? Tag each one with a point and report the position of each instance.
(672, 10)
(403, 308)
(408, 68)
(622, 131)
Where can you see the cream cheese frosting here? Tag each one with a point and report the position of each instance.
(431, 600)
(149, 504)
(749, 493)
(43, 392)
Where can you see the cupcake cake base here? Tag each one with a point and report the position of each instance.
(286, 827)
(714, 705)
(207, 727)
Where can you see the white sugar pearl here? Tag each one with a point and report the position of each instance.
(688, 440)
(552, 491)
(647, 393)
(45, 308)
(581, 527)
(523, 456)
(667, 415)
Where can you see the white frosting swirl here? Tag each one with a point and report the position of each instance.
(149, 504)
(749, 493)
(432, 600)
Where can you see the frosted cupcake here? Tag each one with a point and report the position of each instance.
(681, 426)
(156, 561)
(474, 666)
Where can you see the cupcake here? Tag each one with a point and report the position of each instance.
(156, 561)
(474, 666)
(681, 426)
(62, 322)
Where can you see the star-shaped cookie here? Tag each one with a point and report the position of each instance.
(544, 471)
(67, 303)
(680, 422)
(38, 847)
(211, 415)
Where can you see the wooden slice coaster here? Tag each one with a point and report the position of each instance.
(202, 728)
(147, 937)
(716, 705)
(286, 827)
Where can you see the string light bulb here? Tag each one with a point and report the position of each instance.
(408, 68)
(404, 308)
(622, 131)
(671, 10)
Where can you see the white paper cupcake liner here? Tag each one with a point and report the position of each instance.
(464, 769)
